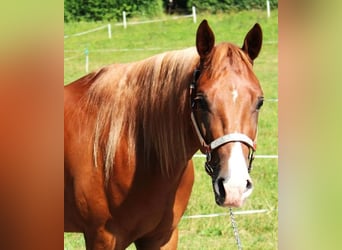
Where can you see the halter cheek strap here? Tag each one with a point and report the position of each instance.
(199, 135)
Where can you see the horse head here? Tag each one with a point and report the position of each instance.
(226, 98)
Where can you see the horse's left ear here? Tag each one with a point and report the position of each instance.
(253, 41)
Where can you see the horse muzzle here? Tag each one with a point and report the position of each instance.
(231, 181)
(230, 192)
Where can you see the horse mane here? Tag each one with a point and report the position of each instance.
(142, 103)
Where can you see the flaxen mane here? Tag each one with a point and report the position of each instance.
(142, 101)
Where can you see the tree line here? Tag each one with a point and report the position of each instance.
(98, 10)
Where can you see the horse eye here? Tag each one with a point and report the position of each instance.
(260, 103)
(201, 103)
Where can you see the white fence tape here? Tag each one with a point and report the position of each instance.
(256, 156)
(199, 216)
(125, 24)
(87, 31)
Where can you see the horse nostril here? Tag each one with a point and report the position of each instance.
(249, 185)
(221, 190)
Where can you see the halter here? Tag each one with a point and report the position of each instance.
(228, 138)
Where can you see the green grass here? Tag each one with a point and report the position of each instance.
(257, 231)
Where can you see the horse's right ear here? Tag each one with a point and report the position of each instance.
(205, 39)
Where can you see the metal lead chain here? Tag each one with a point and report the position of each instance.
(235, 229)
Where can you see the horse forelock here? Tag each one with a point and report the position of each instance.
(228, 54)
(143, 103)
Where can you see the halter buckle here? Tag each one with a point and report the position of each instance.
(208, 168)
(250, 159)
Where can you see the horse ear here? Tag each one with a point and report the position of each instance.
(205, 39)
(253, 41)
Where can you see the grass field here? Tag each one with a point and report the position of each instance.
(257, 231)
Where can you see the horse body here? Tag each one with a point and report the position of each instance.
(128, 144)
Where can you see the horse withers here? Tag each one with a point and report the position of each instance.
(130, 132)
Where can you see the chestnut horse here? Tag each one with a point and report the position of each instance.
(130, 132)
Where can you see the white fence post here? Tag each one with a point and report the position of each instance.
(86, 52)
(109, 31)
(124, 19)
(194, 14)
(268, 8)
